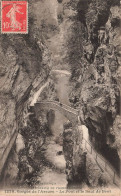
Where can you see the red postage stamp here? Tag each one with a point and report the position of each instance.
(14, 17)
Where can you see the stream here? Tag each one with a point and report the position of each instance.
(53, 172)
(53, 166)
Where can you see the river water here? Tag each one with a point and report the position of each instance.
(54, 172)
(62, 86)
(52, 164)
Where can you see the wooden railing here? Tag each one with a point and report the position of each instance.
(102, 163)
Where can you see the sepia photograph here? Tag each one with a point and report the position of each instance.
(60, 97)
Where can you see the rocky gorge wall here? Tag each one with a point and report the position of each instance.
(23, 70)
(76, 35)
(91, 46)
(97, 89)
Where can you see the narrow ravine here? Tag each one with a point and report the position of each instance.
(54, 149)
(70, 56)
(53, 172)
(50, 158)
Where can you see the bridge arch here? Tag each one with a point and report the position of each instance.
(70, 113)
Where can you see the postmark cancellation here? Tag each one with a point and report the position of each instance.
(14, 17)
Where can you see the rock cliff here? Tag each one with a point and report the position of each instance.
(76, 35)
(23, 70)
(96, 92)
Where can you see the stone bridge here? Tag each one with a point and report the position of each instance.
(70, 113)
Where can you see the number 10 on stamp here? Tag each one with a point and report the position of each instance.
(14, 17)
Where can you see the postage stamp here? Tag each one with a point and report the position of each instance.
(14, 17)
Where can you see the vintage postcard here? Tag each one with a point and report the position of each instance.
(60, 97)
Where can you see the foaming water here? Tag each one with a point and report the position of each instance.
(37, 94)
(85, 133)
